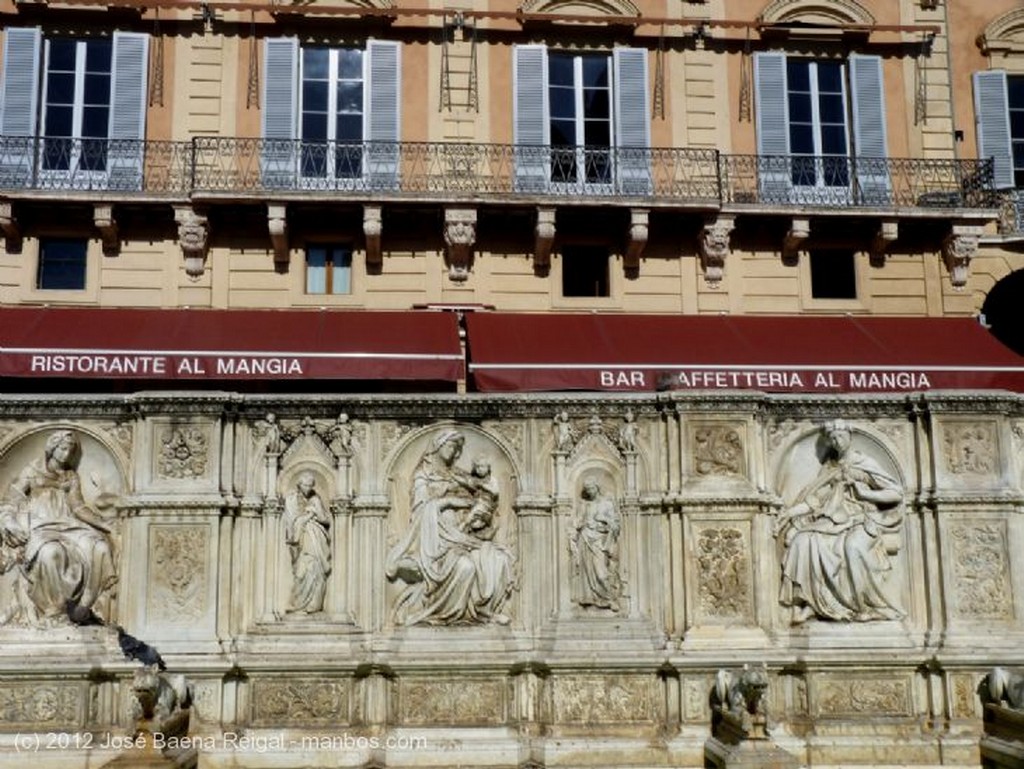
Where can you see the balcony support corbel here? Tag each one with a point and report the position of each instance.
(887, 233)
(277, 225)
(9, 227)
(103, 219)
(958, 248)
(193, 237)
(373, 226)
(544, 240)
(637, 241)
(459, 239)
(714, 247)
(799, 231)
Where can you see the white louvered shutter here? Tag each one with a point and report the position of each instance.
(772, 115)
(383, 127)
(992, 115)
(869, 131)
(279, 157)
(530, 117)
(632, 122)
(127, 133)
(20, 105)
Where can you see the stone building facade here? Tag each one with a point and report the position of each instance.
(368, 363)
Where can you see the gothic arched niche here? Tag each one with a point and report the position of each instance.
(581, 7)
(1004, 35)
(817, 12)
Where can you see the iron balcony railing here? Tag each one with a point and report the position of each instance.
(210, 166)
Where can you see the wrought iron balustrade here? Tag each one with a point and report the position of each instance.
(249, 167)
(839, 181)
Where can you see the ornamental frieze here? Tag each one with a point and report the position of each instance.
(178, 557)
(981, 578)
(453, 701)
(301, 701)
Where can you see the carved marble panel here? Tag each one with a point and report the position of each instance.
(717, 450)
(696, 705)
(182, 453)
(42, 706)
(452, 701)
(971, 448)
(605, 699)
(301, 701)
(964, 700)
(178, 572)
(723, 572)
(843, 695)
(981, 570)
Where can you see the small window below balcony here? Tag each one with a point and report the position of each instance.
(833, 274)
(62, 264)
(328, 269)
(585, 271)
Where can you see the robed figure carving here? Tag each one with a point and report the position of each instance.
(307, 524)
(594, 545)
(453, 569)
(60, 546)
(835, 559)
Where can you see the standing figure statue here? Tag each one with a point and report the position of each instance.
(565, 435)
(835, 560)
(454, 572)
(307, 524)
(595, 549)
(61, 546)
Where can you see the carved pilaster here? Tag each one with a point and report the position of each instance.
(9, 227)
(958, 248)
(373, 226)
(637, 240)
(193, 235)
(798, 232)
(714, 247)
(459, 237)
(544, 234)
(277, 224)
(887, 233)
(103, 218)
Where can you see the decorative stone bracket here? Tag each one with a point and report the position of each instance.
(277, 224)
(637, 240)
(714, 247)
(103, 218)
(958, 248)
(888, 232)
(193, 237)
(799, 231)
(459, 237)
(544, 239)
(373, 226)
(9, 227)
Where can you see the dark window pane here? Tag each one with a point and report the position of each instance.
(350, 97)
(599, 166)
(797, 75)
(1018, 154)
(314, 96)
(560, 69)
(563, 165)
(1017, 124)
(595, 104)
(563, 132)
(94, 155)
(315, 63)
(833, 140)
(98, 54)
(314, 160)
(1015, 89)
(804, 171)
(833, 275)
(350, 63)
(597, 133)
(57, 154)
(58, 121)
(95, 121)
(831, 109)
(800, 108)
(836, 172)
(349, 128)
(801, 139)
(314, 126)
(62, 55)
(830, 76)
(97, 89)
(595, 72)
(62, 264)
(585, 271)
(348, 161)
(60, 88)
(562, 103)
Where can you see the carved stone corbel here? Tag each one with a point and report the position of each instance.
(887, 233)
(103, 218)
(544, 238)
(193, 237)
(9, 227)
(958, 248)
(714, 247)
(459, 237)
(373, 226)
(277, 225)
(637, 241)
(798, 232)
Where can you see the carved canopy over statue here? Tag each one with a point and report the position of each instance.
(59, 547)
(453, 570)
(836, 536)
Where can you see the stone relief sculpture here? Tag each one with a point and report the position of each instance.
(60, 546)
(835, 558)
(161, 703)
(307, 526)
(594, 546)
(340, 436)
(1003, 686)
(270, 431)
(453, 570)
(627, 432)
(565, 433)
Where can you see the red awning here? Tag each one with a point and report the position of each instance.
(228, 344)
(705, 352)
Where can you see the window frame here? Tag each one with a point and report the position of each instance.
(331, 146)
(580, 157)
(330, 249)
(839, 163)
(29, 284)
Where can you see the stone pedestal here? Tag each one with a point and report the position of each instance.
(741, 741)
(1002, 746)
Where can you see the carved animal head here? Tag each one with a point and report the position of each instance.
(146, 688)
